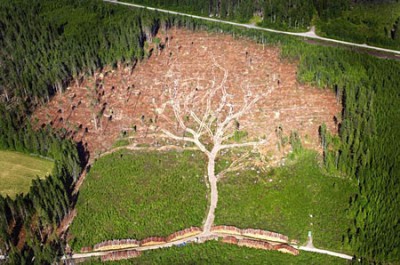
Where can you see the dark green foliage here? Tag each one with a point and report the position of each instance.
(330, 8)
(48, 201)
(282, 14)
(15, 135)
(293, 14)
(61, 40)
(226, 9)
(45, 44)
(372, 22)
(33, 215)
(368, 151)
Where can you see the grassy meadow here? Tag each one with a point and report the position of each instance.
(137, 194)
(292, 200)
(18, 170)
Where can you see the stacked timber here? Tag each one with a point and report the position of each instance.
(265, 235)
(226, 229)
(154, 240)
(255, 244)
(188, 232)
(230, 240)
(119, 255)
(285, 248)
(86, 249)
(116, 244)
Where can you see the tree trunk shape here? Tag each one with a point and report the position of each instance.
(212, 179)
(211, 124)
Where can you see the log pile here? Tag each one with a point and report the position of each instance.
(116, 244)
(188, 232)
(253, 233)
(86, 249)
(154, 240)
(265, 235)
(255, 244)
(284, 248)
(119, 255)
(259, 238)
(230, 240)
(226, 229)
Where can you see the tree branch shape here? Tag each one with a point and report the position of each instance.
(206, 112)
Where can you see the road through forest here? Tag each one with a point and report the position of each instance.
(193, 239)
(218, 138)
(310, 34)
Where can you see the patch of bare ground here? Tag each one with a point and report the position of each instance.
(99, 109)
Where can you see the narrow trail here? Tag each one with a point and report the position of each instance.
(102, 253)
(310, 34)
(309, 247)
(212, 179)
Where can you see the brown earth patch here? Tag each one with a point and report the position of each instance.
(122, 100)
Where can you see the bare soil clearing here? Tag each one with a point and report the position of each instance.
(99, 109)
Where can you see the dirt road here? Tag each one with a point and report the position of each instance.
(310, 34)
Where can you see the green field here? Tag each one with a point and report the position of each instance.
(18, 170)
(213, 252)
(365, 23)
(283, 199)
(136, 195)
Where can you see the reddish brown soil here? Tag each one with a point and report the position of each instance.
(127, 96)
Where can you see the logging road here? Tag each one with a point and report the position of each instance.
(310, 34)
(199, 239)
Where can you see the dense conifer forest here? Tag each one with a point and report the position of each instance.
(43, 46)
(373, 22)
(46, 44)
(286, 14)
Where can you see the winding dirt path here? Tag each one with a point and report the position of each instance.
(212, 179)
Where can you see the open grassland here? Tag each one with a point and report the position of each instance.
(18, 170)
(284, 199)
(137, 195)
(366, 23)
(213, 252)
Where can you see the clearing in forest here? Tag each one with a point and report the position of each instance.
(122, 101)
(131, 194)
(196, 90)
(292, 199)
(18, 170)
